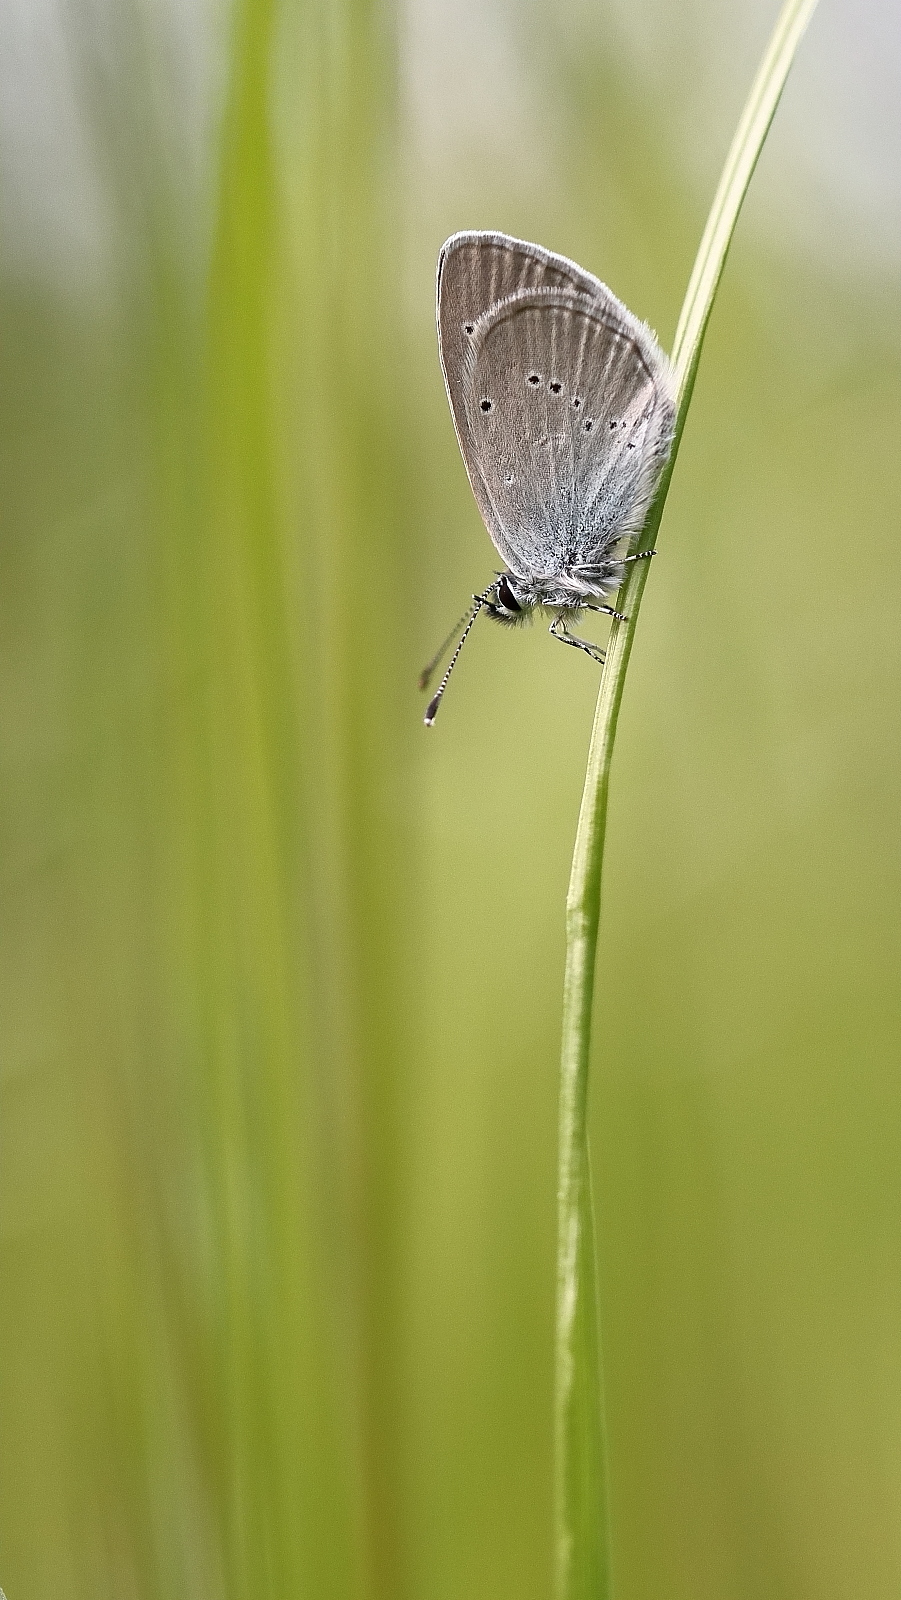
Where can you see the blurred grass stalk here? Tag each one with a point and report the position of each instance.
(582, 1494)
(284, 497)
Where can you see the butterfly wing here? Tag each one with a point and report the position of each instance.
(562, 400)
(475, 271)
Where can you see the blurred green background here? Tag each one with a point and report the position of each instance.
(281, 972)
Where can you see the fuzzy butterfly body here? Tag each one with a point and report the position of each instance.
(564, 407)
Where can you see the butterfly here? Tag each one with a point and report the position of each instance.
(565, 407)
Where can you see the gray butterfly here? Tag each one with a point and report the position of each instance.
(564, 406)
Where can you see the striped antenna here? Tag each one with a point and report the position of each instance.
(425, 676)
(479, 600)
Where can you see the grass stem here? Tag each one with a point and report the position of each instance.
(582, 1498)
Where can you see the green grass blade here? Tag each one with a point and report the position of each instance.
(743, 156)
(582, 1540)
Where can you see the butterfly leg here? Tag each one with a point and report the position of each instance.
(608, 612)
(640, 555)
(557, 630)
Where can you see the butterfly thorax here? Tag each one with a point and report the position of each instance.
(516, 596)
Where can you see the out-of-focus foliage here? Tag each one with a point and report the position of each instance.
(280, 971)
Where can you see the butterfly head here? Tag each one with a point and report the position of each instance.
(510, 603)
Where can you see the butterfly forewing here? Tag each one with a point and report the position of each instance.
(475, 271)
(562, 401)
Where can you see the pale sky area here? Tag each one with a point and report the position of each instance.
(468, 79)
